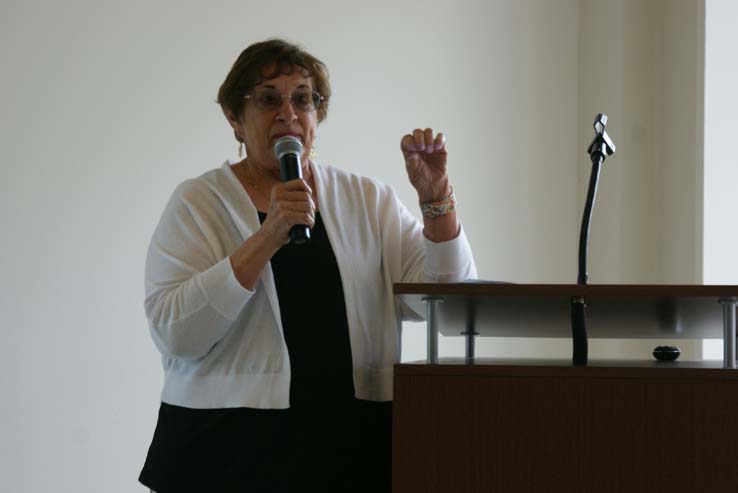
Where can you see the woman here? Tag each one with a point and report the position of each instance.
(278, 357)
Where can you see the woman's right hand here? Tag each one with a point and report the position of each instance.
(291, 204)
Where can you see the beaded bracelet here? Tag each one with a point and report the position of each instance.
(439, 207)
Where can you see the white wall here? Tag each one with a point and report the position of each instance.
(720, 240)
(640, 63)
(108, 105)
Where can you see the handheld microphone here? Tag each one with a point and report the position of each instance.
(288, 150)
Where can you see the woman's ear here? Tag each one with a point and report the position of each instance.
(232, 119)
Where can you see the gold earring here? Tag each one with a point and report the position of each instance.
(312, 153)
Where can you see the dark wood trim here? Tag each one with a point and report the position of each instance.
(484, 367)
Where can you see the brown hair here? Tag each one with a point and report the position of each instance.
(248, 71)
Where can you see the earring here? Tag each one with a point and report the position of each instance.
(312, 153)
(240, 150)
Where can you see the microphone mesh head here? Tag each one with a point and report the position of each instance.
(287, 145)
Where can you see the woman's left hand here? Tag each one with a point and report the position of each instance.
(425, 161)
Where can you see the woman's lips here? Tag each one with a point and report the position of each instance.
(282, 134)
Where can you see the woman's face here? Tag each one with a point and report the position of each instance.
(260, 128)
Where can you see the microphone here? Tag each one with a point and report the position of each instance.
(601, 147)
(288, 150)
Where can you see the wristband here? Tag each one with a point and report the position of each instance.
(439, 207)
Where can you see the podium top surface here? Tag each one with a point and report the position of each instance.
(543, 310)
(493, 288)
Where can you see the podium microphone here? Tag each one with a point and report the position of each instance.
(288, 150)
(601, 147)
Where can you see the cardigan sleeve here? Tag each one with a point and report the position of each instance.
(192, 294)
(422, 260)
(426, 261)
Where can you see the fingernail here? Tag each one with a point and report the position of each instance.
(439, 145)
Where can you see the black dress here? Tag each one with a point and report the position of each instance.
(326, 441)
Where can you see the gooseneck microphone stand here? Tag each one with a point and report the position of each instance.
(598, 150)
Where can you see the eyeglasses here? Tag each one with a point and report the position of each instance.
(302, 100)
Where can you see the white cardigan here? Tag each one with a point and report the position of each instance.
(222, 345)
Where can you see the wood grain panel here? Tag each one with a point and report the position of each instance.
(513, 428)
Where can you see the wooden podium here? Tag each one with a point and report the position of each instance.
(478, 425)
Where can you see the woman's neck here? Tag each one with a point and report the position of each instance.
(269, 175)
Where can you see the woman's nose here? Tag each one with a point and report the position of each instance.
(287, 111)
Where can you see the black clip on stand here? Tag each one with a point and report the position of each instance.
(598, 150)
